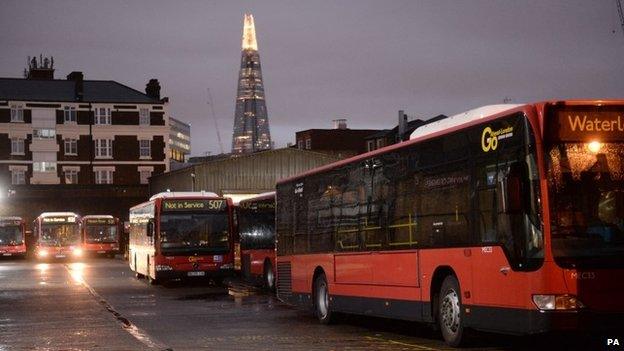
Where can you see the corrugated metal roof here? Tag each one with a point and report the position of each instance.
(102, 91)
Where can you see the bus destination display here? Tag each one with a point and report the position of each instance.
(193, 205)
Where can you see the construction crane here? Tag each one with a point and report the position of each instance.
(214, 118)
(618, 3)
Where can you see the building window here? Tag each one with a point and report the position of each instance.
(300, 144)
(370, 145)
(102, 115)
(144, 176)
(69, 113)
(71, 176)
(145, 148)
(103, 177)
(44, 133)
(380, 143)
(17, 113)
(18, 177)
(308, 144)
(17, 146)
(104, 148)
(71, 147)
(144, 117)
(45, 166)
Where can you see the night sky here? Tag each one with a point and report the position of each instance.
(322, 60)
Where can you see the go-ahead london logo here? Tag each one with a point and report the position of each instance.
(490, 138)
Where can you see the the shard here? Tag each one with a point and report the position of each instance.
(251, 122)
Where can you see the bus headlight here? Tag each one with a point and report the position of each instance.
(77, 252)
(42, 253)
(557, 302)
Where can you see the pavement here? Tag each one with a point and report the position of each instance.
(98, 304)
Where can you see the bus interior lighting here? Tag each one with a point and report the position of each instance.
(594, 146)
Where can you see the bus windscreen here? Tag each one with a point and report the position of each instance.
(585, 173)
(11, 235)
(191, 225)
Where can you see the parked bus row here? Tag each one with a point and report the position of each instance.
(507, 218)
(61, 235)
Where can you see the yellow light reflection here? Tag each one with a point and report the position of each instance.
(76, 270)
(42, 267)
(594, 146)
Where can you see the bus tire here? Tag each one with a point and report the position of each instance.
(322, 308)
(450, 317)
(152, 281)
(268, 276)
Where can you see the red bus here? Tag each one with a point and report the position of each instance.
(101, 234)
(182, 234)
(57, 235)
(507, 218)
(256, 229)
(12, 237)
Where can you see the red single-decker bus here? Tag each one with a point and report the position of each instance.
(100, 235)
(256, 228)
(12, 237)
(506, 218)
(182, 234)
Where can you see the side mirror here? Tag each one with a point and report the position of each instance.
(150, 228)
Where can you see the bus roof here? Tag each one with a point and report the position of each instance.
(11, 218)
(461, 119)
(263, 196)
(452, 122)
(58, 214)
(170, 194)
(98, 216)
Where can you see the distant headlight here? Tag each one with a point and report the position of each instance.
(77, 252)
(42, 253)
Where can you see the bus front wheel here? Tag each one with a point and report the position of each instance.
(449, 312)
(322, 308)
(269, 276)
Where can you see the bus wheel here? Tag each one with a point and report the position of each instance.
(152, 281)
(269, 276)
(322, 308)
(138, 275)
(449, 312)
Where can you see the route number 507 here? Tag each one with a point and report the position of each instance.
(215, 204)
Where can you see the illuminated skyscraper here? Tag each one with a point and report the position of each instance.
(251, 123)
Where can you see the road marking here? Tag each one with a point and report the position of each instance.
(418, 347)
(126, 325)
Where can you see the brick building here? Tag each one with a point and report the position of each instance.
(339, 141)
(72, 144)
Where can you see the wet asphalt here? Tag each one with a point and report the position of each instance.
(98, 304)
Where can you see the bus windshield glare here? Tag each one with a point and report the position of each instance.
(11, 235)
(59, 234)
(101, 234)
(586, 176)
(182, 231)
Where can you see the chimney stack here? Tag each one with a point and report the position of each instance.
(78, 79)
(152, 89)
(340, 123)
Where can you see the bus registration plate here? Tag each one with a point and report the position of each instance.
(60, 256)
(101, 251)
(196, 274)
(6, 254)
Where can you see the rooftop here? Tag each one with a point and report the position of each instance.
(60, 90)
